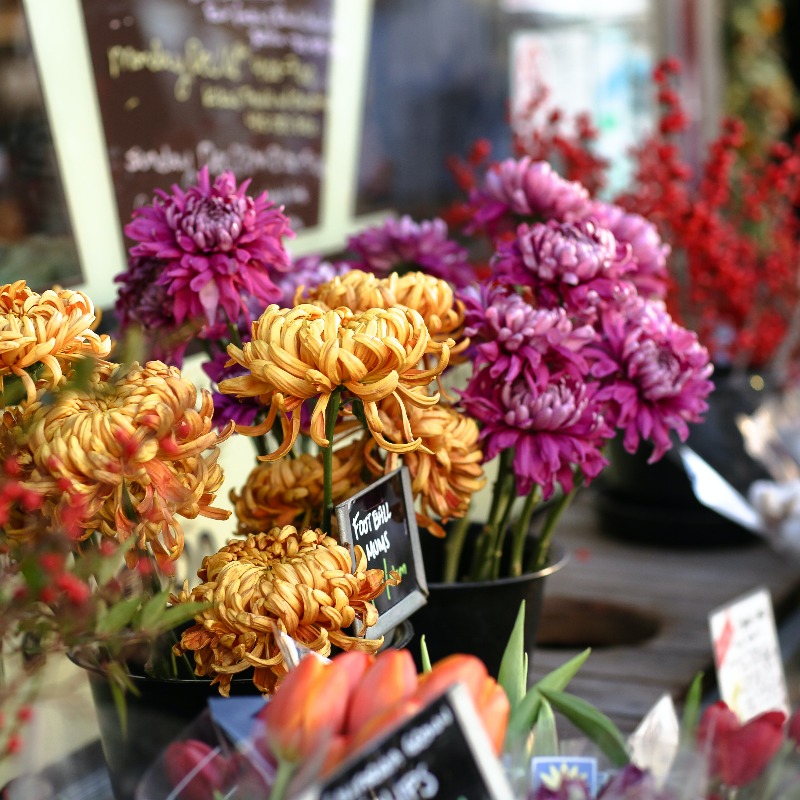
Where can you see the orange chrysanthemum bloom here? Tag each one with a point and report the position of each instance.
(54, 328)
(131, 451)
(446, 474)
(290, 491)
(307, 351)
(302, 582)
(432, 297)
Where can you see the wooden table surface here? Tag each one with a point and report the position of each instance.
(672, 589)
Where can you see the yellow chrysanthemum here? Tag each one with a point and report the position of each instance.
(126, 455)
(290, 491)
(54, 328)
(448, 472)
(300, 581)
(307, 351)
(432, 297)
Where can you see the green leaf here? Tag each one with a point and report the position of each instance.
(512, 676)
(691, 708)
(118, 616)
(545, 738)
(120, 684)
(178, 614)
(524, 715)
(153, 611)
(591, 721)
(426, 658)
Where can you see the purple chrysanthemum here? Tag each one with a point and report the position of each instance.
(633, 783)
(524, 190)
(309, 271)
(227, 407)
(509, 334)
(401, 245)
(217, 244)
(142, 302)
(655, 375)
(553, 428)
(648, 251)
(575, 265)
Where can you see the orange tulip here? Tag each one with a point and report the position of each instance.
(388, 718)
(391, 679)
(307, 710)
(491, 701)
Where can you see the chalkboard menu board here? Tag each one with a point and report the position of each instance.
(381, 519)
(440, 752)
(233, 84)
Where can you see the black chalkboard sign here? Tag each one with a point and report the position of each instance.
(381, 519)
(440, 752)
(239, 86)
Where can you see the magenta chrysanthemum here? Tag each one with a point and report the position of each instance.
(575, 265)
(655, 375)
(143, 302)
(403, 245)
(523, 190)
(648, 252)
(509, 334)
(554, 428)
(216, 243)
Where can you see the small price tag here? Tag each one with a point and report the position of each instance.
(381, 519)
(442, 751)
(552, 771)
(654, 744)
(747, 656)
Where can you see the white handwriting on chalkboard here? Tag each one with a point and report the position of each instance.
(361, 527)
(377, 770)
(381, 515)
(418, 784)
(195, 62)
(421, 737)
(377, 546)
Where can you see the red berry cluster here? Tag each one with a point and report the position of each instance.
(734, 228)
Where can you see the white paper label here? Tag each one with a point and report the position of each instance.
(747, 656)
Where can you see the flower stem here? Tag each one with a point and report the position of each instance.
(485, 541)
(282, 777)
(521, 527)
(540, 554)
(331, 414)
(502, 529)
(453, 547)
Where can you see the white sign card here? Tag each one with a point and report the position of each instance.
(747, 656)
(654, 743)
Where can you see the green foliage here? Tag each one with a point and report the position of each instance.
(533, 709)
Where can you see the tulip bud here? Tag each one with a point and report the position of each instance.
(391, 678)
(739, 753)
(491, 701)
(208, 769)
(307, 709)
(388, 718)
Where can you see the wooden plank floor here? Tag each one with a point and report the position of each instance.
(673, 589)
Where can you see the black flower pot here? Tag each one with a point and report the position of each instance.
(477, 617)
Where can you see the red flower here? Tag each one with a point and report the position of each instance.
(739, 753)
(199, 770)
